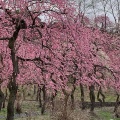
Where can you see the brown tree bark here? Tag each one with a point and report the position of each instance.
(98, 96)
(18, 102)
(44, 100)
(1, 98)
(82, 96)
(64, 112)
(72, 98)
(92, 97)
(12, 86)
(6, 94)
(39, 97)
(52, 99)
(35, 89)
(10, 108)
(117, 107)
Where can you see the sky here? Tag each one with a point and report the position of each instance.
(99, 8)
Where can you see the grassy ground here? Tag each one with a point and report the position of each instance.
(29, 107)
(104, 113)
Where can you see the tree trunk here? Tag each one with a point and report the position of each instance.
(10, 108)
(52, 99)
(24, 90)
(65, 107)
(12, 83)
(18, 108)
(1, 98)
(44, 100)
(65, 117)
(39, 97)
(92, 97)
(34, 89)
(12, 87)
(103, 96)
(18, 102)
(82, 96)
(6, 94)
(72, 98)
(116, 110)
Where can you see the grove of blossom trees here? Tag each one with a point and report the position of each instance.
(47, 42)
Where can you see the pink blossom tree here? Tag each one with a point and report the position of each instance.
(19, 23)
(32, 50)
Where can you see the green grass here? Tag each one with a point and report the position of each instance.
(3, 112)
(106, 115)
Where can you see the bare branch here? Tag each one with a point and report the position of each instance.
(5, 38)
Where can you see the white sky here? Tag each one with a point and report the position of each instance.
(99, 8)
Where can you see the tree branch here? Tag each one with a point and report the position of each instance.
(5, 38)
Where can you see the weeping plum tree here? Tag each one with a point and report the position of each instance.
(17, 21)
(32, 50)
